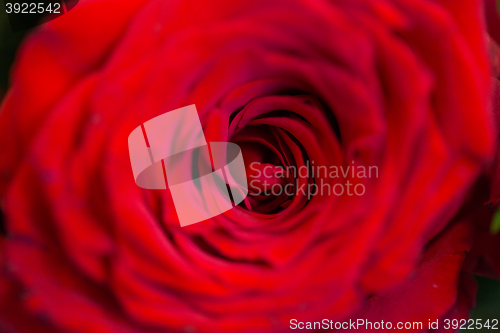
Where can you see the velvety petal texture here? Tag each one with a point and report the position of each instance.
(484, 257)
(402, 86)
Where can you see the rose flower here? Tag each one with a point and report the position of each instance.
(399, 86)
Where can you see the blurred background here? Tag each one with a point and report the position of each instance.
(9, 42)
(488, 299)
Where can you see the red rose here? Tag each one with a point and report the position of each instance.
(483, 258)
(401, 86)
